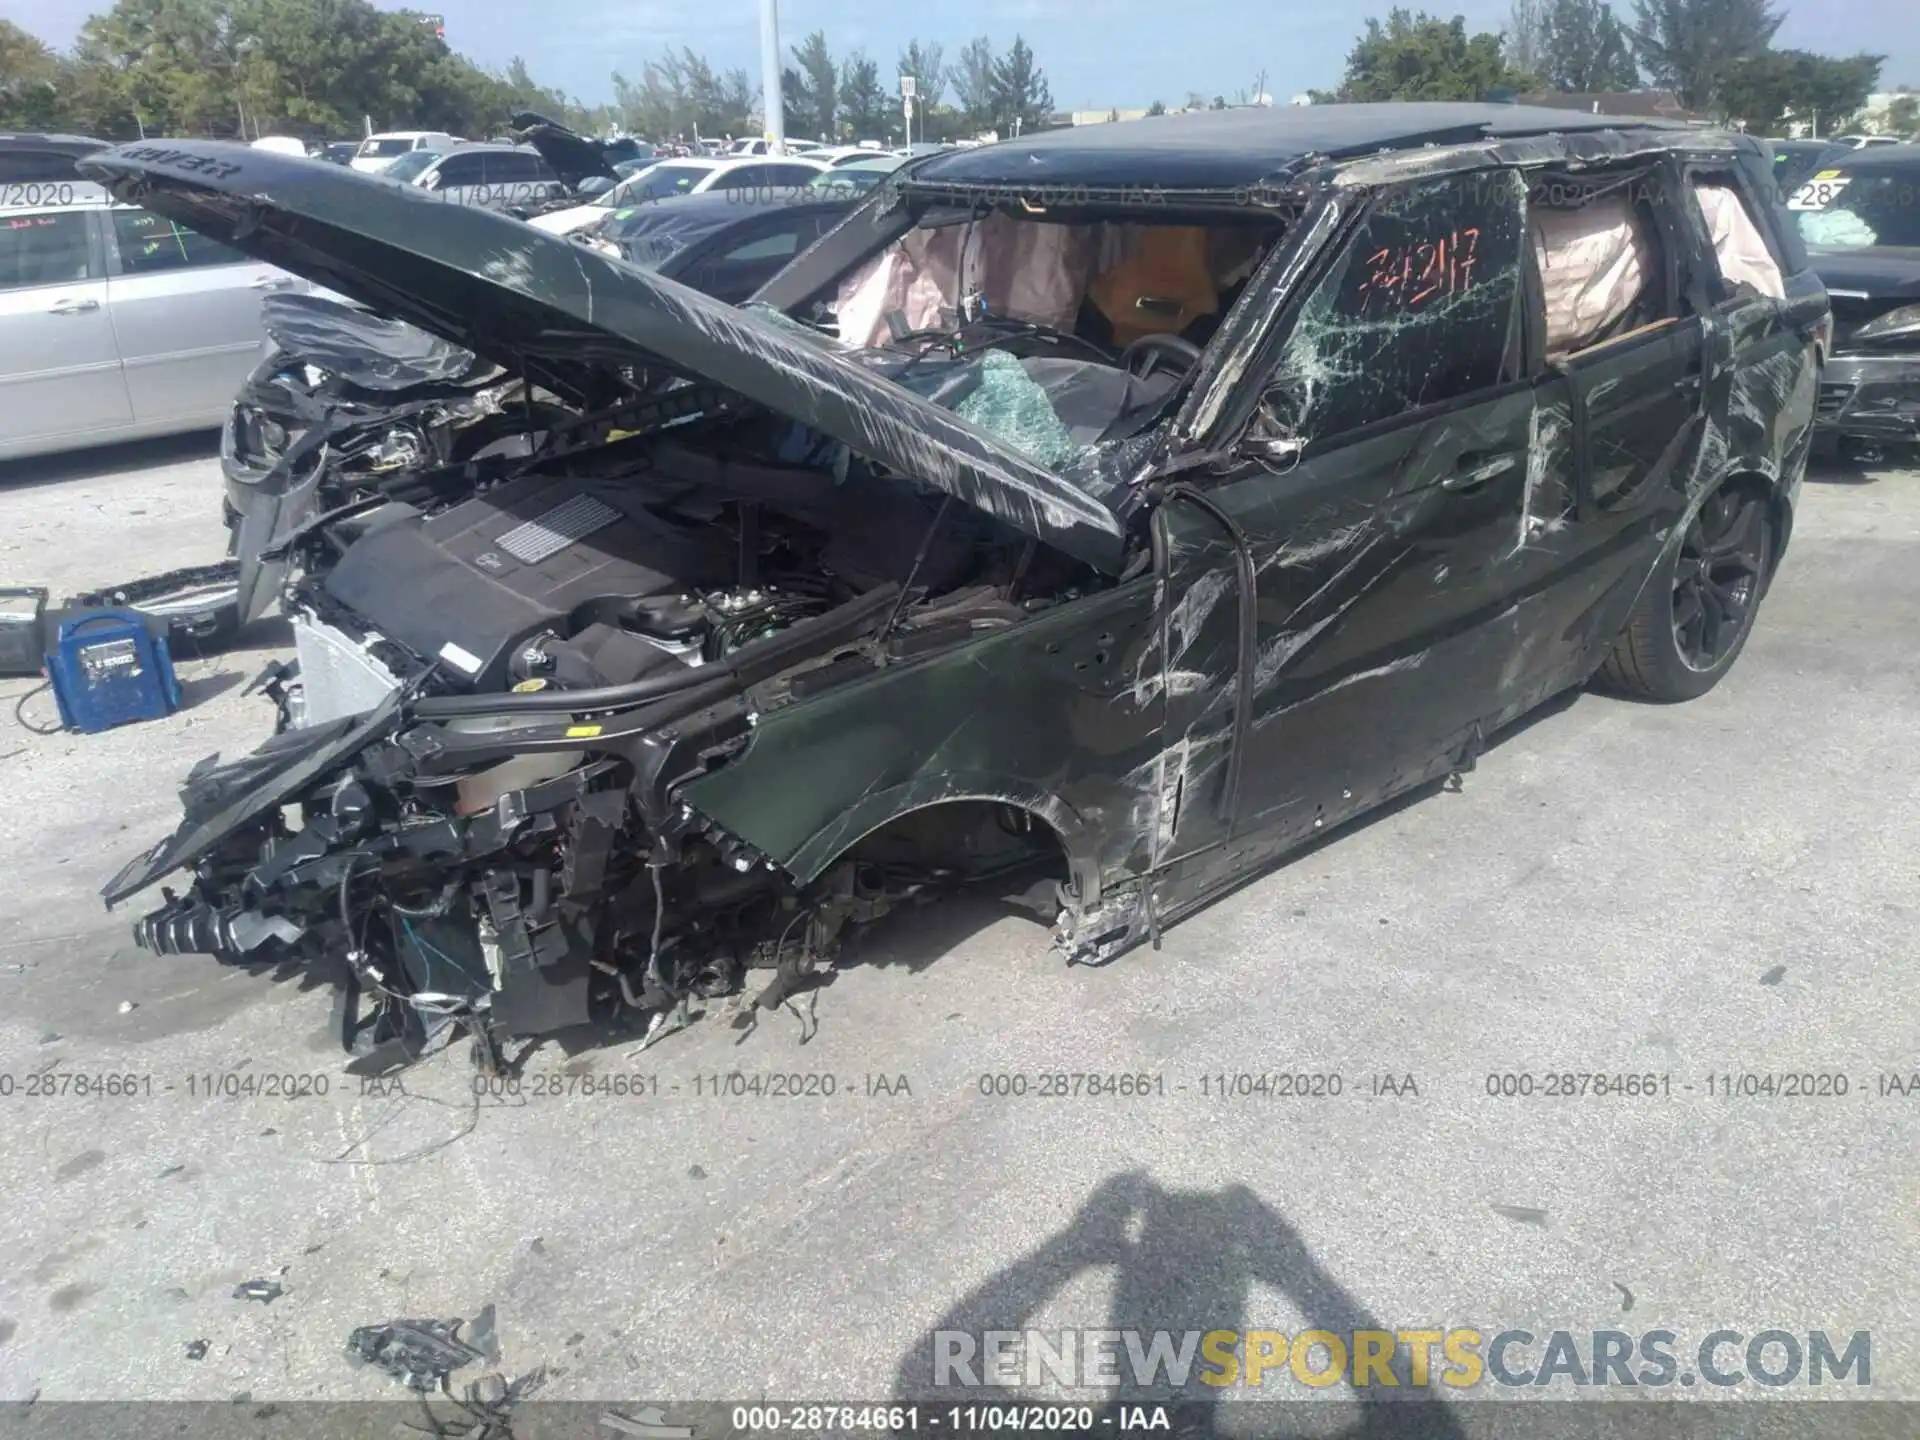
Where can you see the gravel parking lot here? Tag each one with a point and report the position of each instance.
(1723, 888)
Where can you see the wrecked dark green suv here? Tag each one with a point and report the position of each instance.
(1096, 516)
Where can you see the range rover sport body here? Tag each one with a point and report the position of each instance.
(1094, 517)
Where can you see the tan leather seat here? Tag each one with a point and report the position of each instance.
(1163, 287)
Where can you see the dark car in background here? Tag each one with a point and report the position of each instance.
(1794, 162)
(1091, 517)
(722, 244)
(33, 158)
(1860, 218)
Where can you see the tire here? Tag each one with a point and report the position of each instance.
(1694, 616)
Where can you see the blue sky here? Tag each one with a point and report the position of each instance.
(1096, 53)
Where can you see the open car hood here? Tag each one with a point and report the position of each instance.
(574, 321)
(574, 157)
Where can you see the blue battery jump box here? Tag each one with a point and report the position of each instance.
(108, 668)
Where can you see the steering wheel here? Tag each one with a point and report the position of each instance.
(1151, 352)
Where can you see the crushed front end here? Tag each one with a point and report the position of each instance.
(519, 872)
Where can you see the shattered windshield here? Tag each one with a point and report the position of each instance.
(1053, 337)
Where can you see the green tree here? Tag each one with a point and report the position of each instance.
(1584, 49)
(1689, 45)
(1525, 37)
(1219, 103)
(1903, 115)
(809, 89)
(926, 61)
(32, 81)
(1417, 56)
(1021, 99)
(1156, 108)
(865, 109)
(972, 77)
(1761, 90)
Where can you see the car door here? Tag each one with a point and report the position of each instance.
(1380, 489)
(1763, 373)
(1622, 409)
(186, 312)
(60, 374)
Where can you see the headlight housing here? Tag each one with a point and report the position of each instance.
(1901, 324)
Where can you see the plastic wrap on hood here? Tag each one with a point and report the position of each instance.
(362, 348)
(1593, 266)
(1737, 241)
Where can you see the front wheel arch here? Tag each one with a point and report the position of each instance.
(872, 813)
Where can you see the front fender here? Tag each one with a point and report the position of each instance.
(875, 811)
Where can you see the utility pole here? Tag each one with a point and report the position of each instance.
(773, 102)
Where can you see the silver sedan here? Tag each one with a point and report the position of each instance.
(116, 324)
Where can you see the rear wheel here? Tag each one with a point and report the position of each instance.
(1696, 613)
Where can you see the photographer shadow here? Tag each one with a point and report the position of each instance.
(1183, 1262)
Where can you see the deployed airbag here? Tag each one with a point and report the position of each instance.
(1737, 241)
(1593, 266)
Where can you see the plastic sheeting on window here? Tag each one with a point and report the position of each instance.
(1594, 263)
(1737, 241)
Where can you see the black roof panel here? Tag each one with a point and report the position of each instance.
(1227, 148)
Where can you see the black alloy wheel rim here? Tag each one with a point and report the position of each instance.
(1716, 582)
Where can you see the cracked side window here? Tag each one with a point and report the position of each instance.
(1421, 307)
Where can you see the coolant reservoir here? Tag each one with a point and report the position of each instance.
(480, 792)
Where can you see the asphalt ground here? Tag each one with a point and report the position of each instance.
(1721, 889)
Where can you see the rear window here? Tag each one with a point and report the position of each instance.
(1844, 208)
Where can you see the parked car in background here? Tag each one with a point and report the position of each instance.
(750, 145)
(1860, 218)
(34, 158)
(338, 152)
(722, 244)
(495, 177)
(854, 177)
(282, 145)
(951, 558)
(1864, 142)
(740, 177)
(116, 323)
(377, 152)
(1794, 162)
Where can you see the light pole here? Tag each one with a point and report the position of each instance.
(773, 102)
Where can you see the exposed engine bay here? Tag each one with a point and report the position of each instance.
(510, 867)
